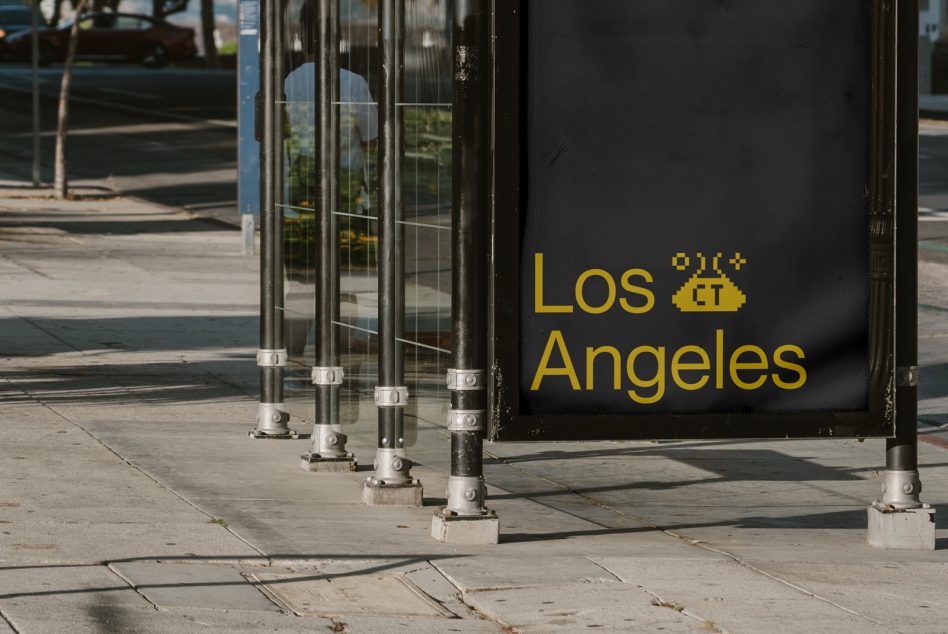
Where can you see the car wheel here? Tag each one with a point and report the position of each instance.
(155, 56)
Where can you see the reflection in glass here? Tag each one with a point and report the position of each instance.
(426, 115)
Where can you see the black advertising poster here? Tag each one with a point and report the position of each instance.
(694, 225)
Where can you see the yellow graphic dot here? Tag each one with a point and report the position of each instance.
(681, 261)
(737, 261)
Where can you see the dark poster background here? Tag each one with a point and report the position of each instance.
(659, 127)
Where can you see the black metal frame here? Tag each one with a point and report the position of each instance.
(889, 149)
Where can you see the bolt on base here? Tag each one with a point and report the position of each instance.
(891, 528)
(450, 528)
(272, 424)
(379, 493)
(328, 464)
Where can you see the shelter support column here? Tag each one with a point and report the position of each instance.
(392, 483)
(900, 520)
(465, 518)
(328, 452)
(272, 417)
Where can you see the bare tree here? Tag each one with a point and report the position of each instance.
(60, 181)
(207, 33)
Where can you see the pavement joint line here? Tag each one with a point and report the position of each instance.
(789, 584)
(132, 465)
(658, 601)
(262, 588)
(7, 620)
(462, 599)
(131, 585)
(694, 542)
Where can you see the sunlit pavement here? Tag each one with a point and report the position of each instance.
(133, 500)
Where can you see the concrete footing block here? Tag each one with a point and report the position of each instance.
(335, 464)
(908, 529)
(465, 529)
(376, 493)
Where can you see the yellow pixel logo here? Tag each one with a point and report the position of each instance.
(707, 293)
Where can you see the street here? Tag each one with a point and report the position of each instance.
(167, 136)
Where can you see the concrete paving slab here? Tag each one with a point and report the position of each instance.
(127, 620)
(420, 625)
(906, 597)
(378, 594)
(737, 598)
(609, 607)
(487, 572)
(57, 590)
(216, 587)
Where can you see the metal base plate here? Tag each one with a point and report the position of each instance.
(908, 529)
(465, 529)
(378, 494)
(335, 464)
(291, 435)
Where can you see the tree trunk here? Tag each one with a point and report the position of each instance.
(60, 181)
(207, 32)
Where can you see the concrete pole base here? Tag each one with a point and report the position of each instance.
(289, 435)
(376, 493)
(465, 529)
(895, 529)
(334, 464)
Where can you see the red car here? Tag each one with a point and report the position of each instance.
(110, 36)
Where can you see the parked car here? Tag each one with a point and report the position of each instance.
(14, 19)
(110, 37)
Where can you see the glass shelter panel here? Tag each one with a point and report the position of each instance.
(425, 112)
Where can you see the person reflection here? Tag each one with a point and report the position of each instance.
(358, 129)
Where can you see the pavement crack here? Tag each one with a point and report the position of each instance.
(7, 620)
(789, 584)
(131, 585)
(660, 602)
(693, 542)
(462, 599)
(132, 465)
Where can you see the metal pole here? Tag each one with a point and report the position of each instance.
(467, 381)
(34, 42)
(902, 484)
(392, 482)
(272, 417)
(329, 443)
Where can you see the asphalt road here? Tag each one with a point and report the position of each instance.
(167, 136)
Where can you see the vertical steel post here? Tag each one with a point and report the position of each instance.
(329, 443)
(34, 44)
(902, 484)
(272, 417)
(392, 482)
(467, 380)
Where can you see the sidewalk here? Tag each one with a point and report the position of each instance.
(133, 501)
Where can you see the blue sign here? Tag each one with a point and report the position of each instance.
(248, 85)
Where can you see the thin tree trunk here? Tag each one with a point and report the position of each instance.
(60, 182)
(207, 32)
